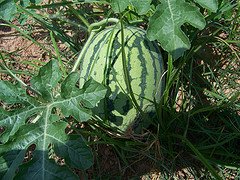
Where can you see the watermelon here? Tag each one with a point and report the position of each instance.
(102, 61)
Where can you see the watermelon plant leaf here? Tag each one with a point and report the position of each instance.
(212, 5)
(12, 121)
(49, 171)
(142, 6)
(37, 122)
(165, 25)
(75, 153)
(47, 79)
(40, 134)
(11, 93)
(7, 10)
(68, 87)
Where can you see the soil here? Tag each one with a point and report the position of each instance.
(20, 49)
(11, 41)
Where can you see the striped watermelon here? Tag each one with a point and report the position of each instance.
(103, 62)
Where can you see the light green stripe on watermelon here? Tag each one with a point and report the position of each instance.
(103, 62)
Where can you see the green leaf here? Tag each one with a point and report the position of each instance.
(212, 5)
(40, 134)
(68, 87)
(87, 97)
(7, 10)
(49, 171)
(11, 93)
(93, 93)
(142, 6)
(47, 79)
(165, 25)
(75, 153)
(38, 124)
(14, 120)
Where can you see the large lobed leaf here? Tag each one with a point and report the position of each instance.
(212, 5)
(165, 24)
(170, 15)
(36, 122)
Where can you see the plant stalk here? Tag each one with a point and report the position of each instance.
(92, 32)
(102, 22)
(78, 61)
(126, 72)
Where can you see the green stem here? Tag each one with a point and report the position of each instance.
(102, 22)
(14, 76)
(126, 72)
(26, 36)
(92, 33)
(78, 61)
(191, 99)
(44, 22)
(222, 40)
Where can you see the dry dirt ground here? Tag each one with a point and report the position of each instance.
(12, 41)
(21, 49)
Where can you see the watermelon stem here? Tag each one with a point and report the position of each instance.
(78, 61)
(106, 71)
(92, 31)
(102, 22)
(126, 73)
